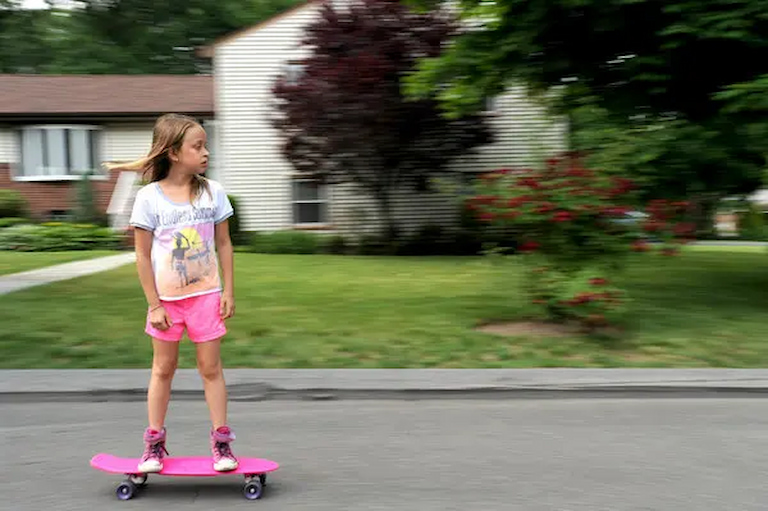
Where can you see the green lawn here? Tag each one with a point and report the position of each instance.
(706, 308)
(13, 262)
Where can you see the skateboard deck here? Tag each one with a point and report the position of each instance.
(255, 471)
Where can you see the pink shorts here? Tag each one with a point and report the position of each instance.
(199, 314)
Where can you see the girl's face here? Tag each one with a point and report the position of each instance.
(192, 158)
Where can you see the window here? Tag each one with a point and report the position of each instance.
(492, 104)
(292, 71)
(58, 151)
(310, 202)
(211, 130)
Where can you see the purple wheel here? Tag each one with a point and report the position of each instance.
(253, 490)
(125, 490)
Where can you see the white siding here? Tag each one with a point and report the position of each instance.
(125, 142)
(8, 146)
(255, 171)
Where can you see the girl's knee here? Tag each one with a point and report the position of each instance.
(164, 369)
(209, 369)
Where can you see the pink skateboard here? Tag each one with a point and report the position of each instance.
(254, 469)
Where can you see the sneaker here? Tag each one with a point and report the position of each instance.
(154, 451)
(223, 459)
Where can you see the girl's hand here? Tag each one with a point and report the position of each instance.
(227, 308)
(160, 319)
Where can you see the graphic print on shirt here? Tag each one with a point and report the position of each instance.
(187, 262)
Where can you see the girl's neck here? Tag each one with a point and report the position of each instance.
(178, 179)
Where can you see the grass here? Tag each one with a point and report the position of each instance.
(13, 262)
(705, 308)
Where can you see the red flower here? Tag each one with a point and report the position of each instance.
(652, 226)
(576, 172)
(616, 211)
(598, 281)
(669, 251)
(640, 246)
(529, 182)
(486, 199)
(529, 246)
(545, 208)
(621, 185)
(684, 229)
(563, 216)
(487, 216)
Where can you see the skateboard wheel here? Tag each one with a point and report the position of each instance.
(251, 477)
(253, 490)
(125, 490)
(139, 480)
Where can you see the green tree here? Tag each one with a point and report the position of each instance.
(122, 36)
(682, 81)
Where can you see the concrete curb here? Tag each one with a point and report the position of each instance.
(94, 385)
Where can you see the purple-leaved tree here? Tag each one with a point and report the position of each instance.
(345, 118)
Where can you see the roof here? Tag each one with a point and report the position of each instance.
(207, 50)
(105, 94)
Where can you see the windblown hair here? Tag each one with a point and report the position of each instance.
(167, 134)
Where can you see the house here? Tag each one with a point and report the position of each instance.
(271, 196)
(55, 128)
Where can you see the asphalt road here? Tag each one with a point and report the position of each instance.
(533, 455)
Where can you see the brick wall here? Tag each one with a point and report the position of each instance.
(46, 196)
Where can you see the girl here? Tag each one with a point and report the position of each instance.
(180, 218)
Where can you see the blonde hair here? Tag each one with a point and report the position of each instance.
(167, 134)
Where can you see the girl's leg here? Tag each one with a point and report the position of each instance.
(212, 374)
(164, 363)
(209, 366)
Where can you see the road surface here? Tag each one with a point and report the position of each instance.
(532, 455)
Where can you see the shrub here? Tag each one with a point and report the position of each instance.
(87, 210)
(235, 227)
(426, 241)
(58, 236)
(751, 224)
(285, 242)
(11, 221)
(12, 204)
(335, 244)
(572, 228)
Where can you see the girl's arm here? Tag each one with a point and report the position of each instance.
(227, 263)
(143, 242)
(143, 245)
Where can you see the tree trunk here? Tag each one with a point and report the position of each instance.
(706, 209)
(390, 230)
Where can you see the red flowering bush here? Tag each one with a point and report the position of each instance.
(575, 229)
(577, 295)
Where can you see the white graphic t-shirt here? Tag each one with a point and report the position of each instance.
(184, 257)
